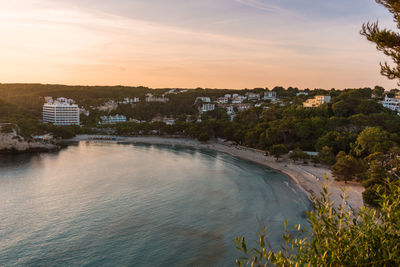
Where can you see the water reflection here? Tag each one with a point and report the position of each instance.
(98, 204)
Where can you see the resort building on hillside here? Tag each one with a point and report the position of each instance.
(172, 92)
(207, 107)
(169, 121)
(253, 96)
(230, 110)
(243, 107)
(317, 101)
(392, 103)
(301, 93)
(203, 99)
(270, 95)
(128, 100)
(222, 100)
(61, 112)
(112, 119)
(238, 99)
(161, 99)
(175, 91)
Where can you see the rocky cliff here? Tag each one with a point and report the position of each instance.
(12, 142)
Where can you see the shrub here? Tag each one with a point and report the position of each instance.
(339, 237)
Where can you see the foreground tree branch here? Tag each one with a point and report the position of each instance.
(386, 40)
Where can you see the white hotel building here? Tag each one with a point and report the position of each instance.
(61, 112)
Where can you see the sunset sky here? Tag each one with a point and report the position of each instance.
(191, 43)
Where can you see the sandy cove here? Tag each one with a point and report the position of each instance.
(309, 178)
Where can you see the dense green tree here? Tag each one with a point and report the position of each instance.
(278, 150)
(338, 141)
(342, 109)
(378, 91)
(368, 107)
(383, 167)
(347, 168)
(372, 140)
(326, 156)
(298, 154)
(273, 136)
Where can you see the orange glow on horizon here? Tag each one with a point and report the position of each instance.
(49, 43)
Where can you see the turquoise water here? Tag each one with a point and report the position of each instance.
(138, 205)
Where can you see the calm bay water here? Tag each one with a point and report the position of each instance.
(138, 205)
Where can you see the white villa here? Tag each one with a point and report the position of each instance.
(301, 93)
(61, 112)
(243, 107)
(238, 99)
(169, 121)
(203, 99)
(112, 119)
(392, 103)
(230, 110)
(151, 98)
(253, 96)
(317, 101)
(207, 107)
(176, 91)
(270, 95)
(172, 92)
(128, 100)
(222, 100)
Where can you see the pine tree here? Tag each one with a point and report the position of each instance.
(386, 40)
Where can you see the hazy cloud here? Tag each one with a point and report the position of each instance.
(184, 43)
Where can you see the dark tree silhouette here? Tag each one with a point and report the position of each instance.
(386, 40)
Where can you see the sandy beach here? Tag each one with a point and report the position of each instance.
(310, 178)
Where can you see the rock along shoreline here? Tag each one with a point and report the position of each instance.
(12, 143)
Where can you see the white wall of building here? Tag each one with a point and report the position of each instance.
(61, 112)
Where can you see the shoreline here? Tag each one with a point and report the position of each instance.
(309, 178)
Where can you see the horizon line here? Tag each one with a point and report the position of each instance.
(188, 88)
